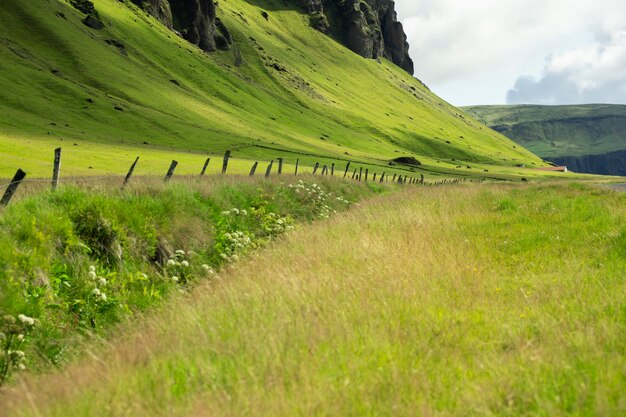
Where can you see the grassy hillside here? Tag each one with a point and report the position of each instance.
(490, 301)
(136, 88)
(558, 131)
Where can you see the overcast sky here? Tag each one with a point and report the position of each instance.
(519, 51)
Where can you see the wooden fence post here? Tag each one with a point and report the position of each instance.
(56, 171)
(280, 165)
(206, 164)
(346, 172)
(367, 172)
(360, 172)
(225, 163)
(332, 170)
(297, 163)
(354, 173)
(317, 165)
(253, 170)
(382, 177)
(269, 169)
(404, 181)
(15, 182)
(374, 179)
(170, 171)
(422, 178)
(130, 172)
(325, 170)
(394, 178)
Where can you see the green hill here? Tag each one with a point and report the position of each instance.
(283, 88)
(588, 138)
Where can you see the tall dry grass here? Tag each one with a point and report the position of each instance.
(457, 301)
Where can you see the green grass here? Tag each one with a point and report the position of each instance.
(48, 242)
(558, 131)
(490, 301)
(329, 104)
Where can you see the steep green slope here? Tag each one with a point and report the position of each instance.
(589, 138)
(136, 87)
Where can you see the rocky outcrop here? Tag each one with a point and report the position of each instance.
(368, 27)
(194, 20)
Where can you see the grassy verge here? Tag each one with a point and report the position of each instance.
(77, 260)
(494, 300)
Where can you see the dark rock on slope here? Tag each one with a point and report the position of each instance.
(195, 20)
(368, 27)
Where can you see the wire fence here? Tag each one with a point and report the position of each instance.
(350, 172)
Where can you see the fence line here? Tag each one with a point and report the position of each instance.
(20, 175)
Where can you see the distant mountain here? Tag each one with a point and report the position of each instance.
(587, 138)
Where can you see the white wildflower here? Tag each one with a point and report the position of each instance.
(25, 319)
(223, 256)
(20, 337)
(185, 264)
(92, 268)
(180, 252)
(102, 281)
(171, 262)
(244, 212)
(103, 297)
(21, 366)
(91, 275)
(175, 279)
(96, 292)
(235, 211)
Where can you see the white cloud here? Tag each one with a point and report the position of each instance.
(472, 51)
(593, 73)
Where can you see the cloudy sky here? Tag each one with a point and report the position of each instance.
(519, 51)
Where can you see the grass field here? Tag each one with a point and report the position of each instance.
(473, 300)
(64, 84)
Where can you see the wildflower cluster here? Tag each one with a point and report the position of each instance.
(178, 266)
(234, 243)
(274, 224)
(314, 194)
(99, 284)
(13, 331)
(235, 212)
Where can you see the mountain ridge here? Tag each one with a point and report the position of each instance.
(588, 138)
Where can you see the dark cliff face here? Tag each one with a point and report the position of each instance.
(194, 20)
(611, 163)
(368, 27)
